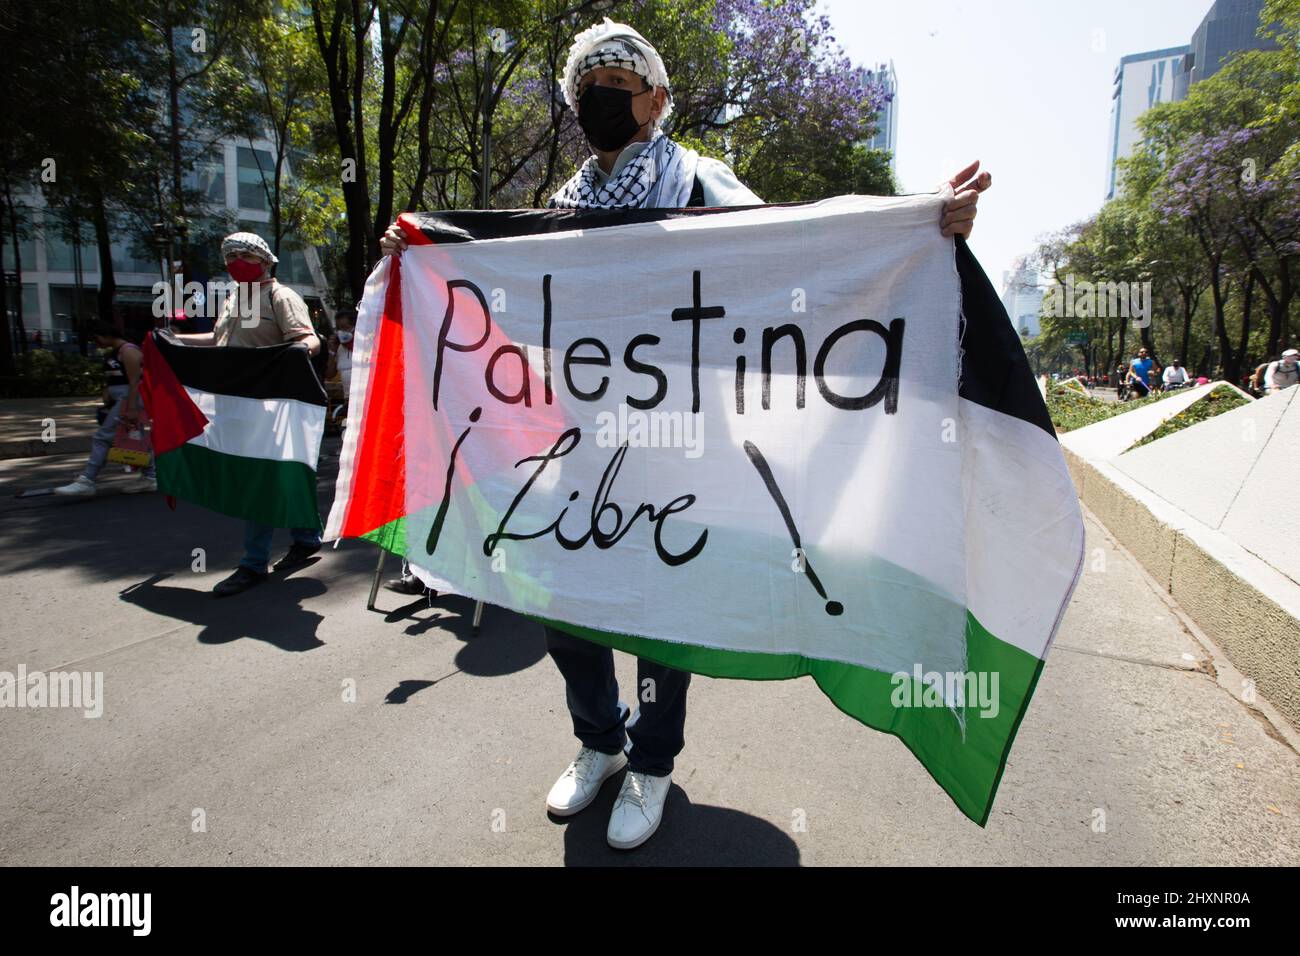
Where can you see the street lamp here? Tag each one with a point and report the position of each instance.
(162, 244)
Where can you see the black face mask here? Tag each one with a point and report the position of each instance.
(605, 115)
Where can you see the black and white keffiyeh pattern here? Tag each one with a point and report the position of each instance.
(615, 44)
(238, 242)
(613, 53)
(634, 184)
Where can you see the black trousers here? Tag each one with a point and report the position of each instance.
(657, 734)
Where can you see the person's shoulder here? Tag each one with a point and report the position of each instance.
(290, 294)
(709, 169)
(287, 301)
(721, 187)
(708, 165)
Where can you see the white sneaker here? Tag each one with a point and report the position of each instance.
(82, 486)
(580, 783)
(638, 810)
(138, 485)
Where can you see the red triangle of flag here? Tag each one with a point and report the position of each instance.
(176, 419)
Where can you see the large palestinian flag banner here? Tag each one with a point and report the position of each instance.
(237, 430)
(759, 442)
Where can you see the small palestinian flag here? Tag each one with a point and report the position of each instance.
(237, 430)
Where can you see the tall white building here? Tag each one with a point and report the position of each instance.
(1022, 297)
(886, 136)
(1141, 81)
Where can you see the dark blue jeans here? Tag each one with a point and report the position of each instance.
(658, 733)
(257, 543)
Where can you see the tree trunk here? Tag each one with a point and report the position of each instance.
(356, 198)
(1226, 357)
(1276, 318)
(386, 136)
(1232, 369)
(424, 151)
(7, 366)
(104, 244)
(366, 235)
(1189, 309)
(1285, 296)
(78, 320)
(18, 269)
(1123, 355)
(174, 124)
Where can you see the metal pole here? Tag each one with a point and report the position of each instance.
(374, 585)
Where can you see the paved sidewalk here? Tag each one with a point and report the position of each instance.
(230, 734)
(25, 430)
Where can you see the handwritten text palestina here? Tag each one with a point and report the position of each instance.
(467, 328)
(506, 372)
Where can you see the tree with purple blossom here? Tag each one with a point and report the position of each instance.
(1219, 168)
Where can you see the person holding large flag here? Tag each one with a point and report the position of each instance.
(616, 85)
(272, 315)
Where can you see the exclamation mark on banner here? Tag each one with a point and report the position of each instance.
(431, 544)
(833, 608)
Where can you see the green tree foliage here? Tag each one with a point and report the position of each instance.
(369, 107)
(1209, 214)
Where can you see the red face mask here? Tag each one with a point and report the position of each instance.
(242, 271)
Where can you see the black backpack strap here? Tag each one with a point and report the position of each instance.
(697, 194)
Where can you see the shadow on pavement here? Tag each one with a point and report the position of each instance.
(405, 689)
(270, 612)
(54, 532)
(688, 835)
(506, 643)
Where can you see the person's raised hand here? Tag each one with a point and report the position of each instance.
(959, 214)
(393, 241)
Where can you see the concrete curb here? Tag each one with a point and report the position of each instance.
(1249, 609)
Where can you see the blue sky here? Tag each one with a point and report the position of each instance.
(1022, 86)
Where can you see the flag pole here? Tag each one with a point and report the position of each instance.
(374, 584)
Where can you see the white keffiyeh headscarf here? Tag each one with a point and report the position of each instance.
(662, 174)
(601, 40)
(238, 242)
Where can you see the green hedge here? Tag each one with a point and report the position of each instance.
(45, 374)
(1218, 401)
(1071, 408)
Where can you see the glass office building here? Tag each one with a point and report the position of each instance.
(1141, 81)
(1230, 27)
(886, 136)
(1144, 79)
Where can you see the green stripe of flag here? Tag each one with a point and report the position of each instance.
(967, 765)
(281, 494)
